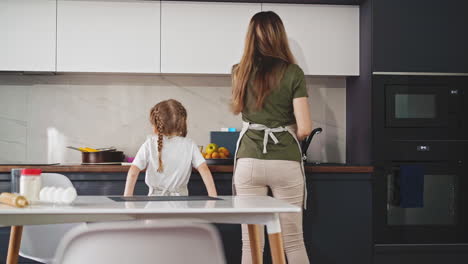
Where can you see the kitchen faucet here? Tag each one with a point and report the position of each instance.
(306, 142)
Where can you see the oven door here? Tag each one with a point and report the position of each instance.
(412, 105)
(442, 216)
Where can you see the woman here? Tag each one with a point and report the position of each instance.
(269, 90)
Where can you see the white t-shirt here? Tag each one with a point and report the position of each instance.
(179, 155)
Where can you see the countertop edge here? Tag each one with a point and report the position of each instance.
(213, 168)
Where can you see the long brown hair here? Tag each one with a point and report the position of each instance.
(267, 52)
(169, 118)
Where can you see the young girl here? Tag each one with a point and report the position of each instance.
(169, 156)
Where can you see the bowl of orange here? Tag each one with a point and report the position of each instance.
(214, 154)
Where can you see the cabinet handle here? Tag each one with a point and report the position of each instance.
(454, 92)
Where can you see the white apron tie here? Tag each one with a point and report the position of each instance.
(269, 132)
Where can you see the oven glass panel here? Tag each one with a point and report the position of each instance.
(415, 106)
(439, 204)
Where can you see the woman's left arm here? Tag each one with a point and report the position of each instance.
(302, 115)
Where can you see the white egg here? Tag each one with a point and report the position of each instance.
(57, 195)
(49, 195)
(69, 195)
(43, 193)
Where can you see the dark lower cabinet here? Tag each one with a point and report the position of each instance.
(427, 254)
(338, 219)
(337, 222)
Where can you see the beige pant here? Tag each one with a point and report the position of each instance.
(285, 179)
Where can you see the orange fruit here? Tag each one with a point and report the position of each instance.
(215, 155)
(222, 155)
(208, 156)
(225, 151)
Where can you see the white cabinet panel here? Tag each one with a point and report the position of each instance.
(108, 36)
(323, 38)
(27, 35)
(201, 37)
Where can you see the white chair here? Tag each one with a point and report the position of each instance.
(150, 241)
(39, 242)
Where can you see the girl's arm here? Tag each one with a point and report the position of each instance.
(302, 115)
(207, 179)
(132, 177)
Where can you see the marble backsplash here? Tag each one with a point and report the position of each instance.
(40, 115)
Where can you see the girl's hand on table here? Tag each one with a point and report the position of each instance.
(132, 177)
(205, 173)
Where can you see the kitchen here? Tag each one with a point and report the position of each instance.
(74, 75)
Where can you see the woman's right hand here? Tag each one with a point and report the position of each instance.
(302, 115)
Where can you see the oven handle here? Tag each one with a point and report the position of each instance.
(452, 201)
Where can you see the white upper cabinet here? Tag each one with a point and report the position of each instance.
(199, 37)
(108, 36)
(27, 35)
(323, 38)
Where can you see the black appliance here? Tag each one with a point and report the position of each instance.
(420, 122)
(421, 107)
(443, 217)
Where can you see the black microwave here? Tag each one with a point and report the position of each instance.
(422, 107)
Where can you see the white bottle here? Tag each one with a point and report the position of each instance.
(30, 184)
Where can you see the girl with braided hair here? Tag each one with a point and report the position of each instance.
(169, 156)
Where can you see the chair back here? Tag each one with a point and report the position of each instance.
(39, 242)
(150, 241)
(55, 180)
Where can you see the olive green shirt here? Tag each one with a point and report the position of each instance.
(277, 111)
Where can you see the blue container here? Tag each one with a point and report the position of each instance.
(225, 139)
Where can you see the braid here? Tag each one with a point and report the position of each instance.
(160, 127)
(168, 118)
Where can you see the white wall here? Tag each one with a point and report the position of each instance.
(40, 115)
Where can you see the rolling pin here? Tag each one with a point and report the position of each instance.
(13, 200)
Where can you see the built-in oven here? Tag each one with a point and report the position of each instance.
(421, 107)
(421, 202)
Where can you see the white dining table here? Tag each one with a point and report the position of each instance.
(250, 210)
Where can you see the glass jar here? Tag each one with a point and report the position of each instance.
(15, 179)
(30, 184)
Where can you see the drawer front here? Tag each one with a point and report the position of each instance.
(423, 151)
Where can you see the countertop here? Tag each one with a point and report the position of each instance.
(309, 168)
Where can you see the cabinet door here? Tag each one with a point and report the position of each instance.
(27, 30)
(108, 36)
(339, 218)
(203, 37)
(425, 36)
(323, 38)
